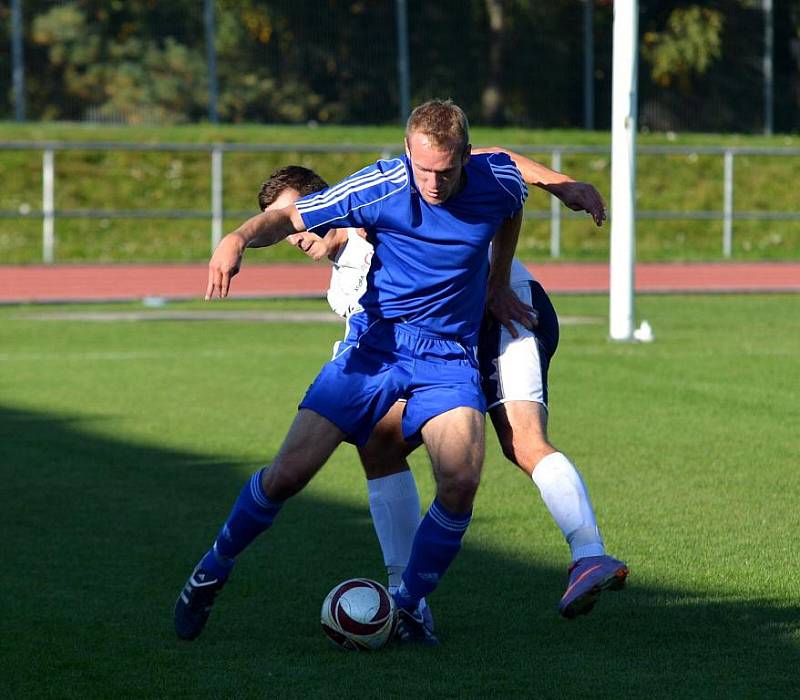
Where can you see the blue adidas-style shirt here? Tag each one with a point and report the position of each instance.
(430, 263)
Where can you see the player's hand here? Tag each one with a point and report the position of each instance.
(224, 264)
(581, 196)
(509, 309)
(310, 243)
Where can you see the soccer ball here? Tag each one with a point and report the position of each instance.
(359, 615)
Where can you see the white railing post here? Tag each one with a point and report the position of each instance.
(555, 211)
(48, 206)
(727, 207)
(216, 197)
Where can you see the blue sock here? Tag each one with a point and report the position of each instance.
(252, 513)
(436, 544)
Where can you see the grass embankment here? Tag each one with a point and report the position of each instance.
(152, 181)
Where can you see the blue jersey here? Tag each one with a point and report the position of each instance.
(430, 263)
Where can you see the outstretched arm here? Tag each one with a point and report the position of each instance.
(578, 196)
(261, 230)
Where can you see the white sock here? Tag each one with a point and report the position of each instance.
(565, 496)
(395, 508)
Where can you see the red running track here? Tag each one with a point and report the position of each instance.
(78, 283)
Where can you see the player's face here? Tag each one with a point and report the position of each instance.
(437, 171)
(286, 198)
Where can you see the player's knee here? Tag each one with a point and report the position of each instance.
(457, 496)
(457, 490)
(467, 487)
(510, 452)
(526, 452)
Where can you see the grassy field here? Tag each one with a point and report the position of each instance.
(129, 181)
(123, 444)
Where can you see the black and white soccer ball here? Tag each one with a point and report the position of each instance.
(359, 615)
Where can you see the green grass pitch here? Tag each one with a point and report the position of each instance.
(123, 445)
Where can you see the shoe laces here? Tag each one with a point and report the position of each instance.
(202, 597)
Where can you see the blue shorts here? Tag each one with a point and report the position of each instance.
(381, 361)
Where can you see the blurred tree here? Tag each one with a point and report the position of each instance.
(6, 107)
(118, 61)
(330, 61)
(492, 96)
(787, 66)
(334, 61)
(687, 46)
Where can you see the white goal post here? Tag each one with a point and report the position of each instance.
(623, 169)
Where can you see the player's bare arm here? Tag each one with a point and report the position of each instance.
(264, 229)
(577, 196)
(580, 196)
(502, 303)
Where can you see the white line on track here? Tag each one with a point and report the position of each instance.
(257, 316)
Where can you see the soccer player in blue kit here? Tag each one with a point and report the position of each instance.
(514, 372)
(430, 216)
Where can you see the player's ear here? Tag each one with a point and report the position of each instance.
(466, 155)
(408, 150)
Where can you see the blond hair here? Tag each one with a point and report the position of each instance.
(442, 121)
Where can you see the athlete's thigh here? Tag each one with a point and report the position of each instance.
(386, 450)
(455, 442)
(311, 439)
(523, 419)
(389, 430)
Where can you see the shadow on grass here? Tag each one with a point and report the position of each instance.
(101, 535)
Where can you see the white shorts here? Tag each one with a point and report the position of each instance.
(515, 369)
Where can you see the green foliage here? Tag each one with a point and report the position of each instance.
(128, 77)
(335, 61)
(250, 88)
(687, 46)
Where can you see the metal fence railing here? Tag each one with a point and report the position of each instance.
(216, 212)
